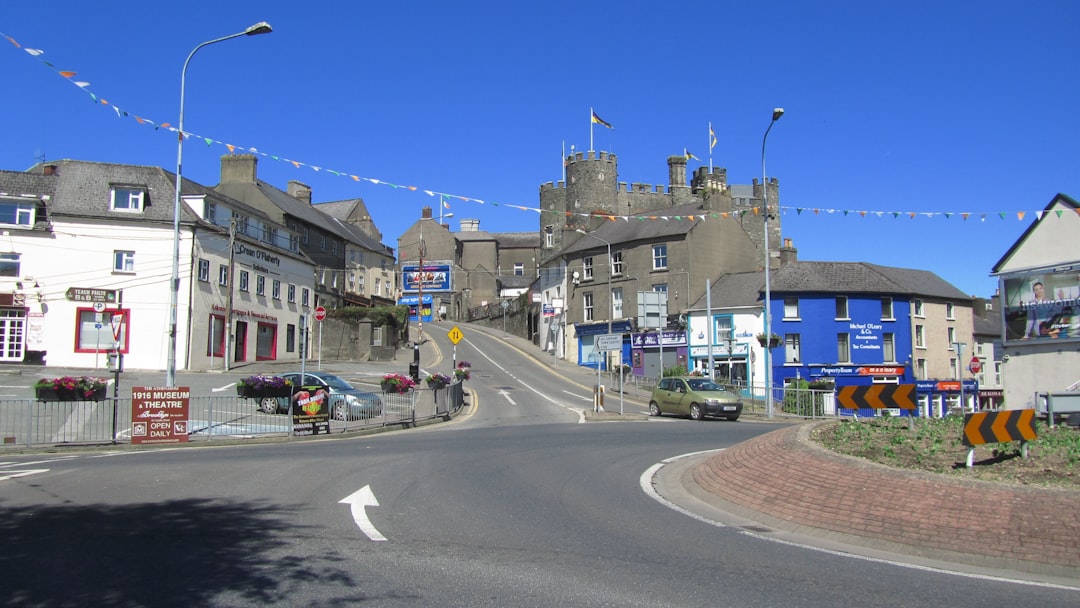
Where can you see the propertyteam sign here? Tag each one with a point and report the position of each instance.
(432, 277)
(159, 415)
(1042, 305)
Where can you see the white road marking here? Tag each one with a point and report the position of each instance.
(580, 412)
(14, 474)
(358, 501)
(507, 395)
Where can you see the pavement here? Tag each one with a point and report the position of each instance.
(783, 486)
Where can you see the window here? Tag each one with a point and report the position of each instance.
(920, 369)
(659, 257)
(791, 308)
(17, 213)
(124, 261)
(791, 348)
(244, 278)
(843, 348)
(616, 303)
(9, 265)
(275, 289)
(918, 305)
(386, 288)
(260, 285)
(333, 246)
(954, 368)
(587, 267)
(126, 199)
(519, 269)
(292, 294)
(305, 296)
(661, 287)
(952, 337)
(322, 242)
(223, 275)
(305, 233)
(549, 237)
(949, 311)
(360, 284)
(888, 348)
(616, 263)
(841, 308)
(204, 270)
(290, 338)
(920, 337)
(886, 308)
(376, 285)
(587, 306)
(723, 332)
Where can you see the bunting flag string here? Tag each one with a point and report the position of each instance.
(84, 86)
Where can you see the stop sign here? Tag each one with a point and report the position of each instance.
(975, 366)
(320, 313)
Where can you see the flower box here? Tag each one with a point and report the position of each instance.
(773, 341)
(259, 387)
(71, 388)
(396, 383)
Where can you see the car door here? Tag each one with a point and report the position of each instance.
(679, 404)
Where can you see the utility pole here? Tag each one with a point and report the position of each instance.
(226, 356)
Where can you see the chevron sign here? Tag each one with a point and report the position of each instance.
(878, 396)
(999, 427)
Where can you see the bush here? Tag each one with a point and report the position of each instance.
(675, 370)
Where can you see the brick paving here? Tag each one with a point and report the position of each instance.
(803, 487)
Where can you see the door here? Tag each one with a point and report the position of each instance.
(240, 348)
(12, 332)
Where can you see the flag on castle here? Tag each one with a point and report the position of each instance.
(688, 155)
(600, 121)
(712, 138)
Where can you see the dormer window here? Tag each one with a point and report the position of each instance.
(127, 198)
(17, 213)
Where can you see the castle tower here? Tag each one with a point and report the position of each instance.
(590, 187)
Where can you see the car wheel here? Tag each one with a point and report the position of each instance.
(695, 412)
(340, 411)
(268, 405)
(654, 409)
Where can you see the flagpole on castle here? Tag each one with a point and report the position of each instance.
(591, 123)
(710, 146)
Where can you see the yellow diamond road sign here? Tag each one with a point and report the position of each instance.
(455, 335)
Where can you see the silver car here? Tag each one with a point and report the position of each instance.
(345, 401)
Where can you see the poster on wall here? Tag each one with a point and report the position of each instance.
(1042, 306)
(432, 277)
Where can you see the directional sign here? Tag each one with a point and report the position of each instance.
(91, 294)
(455, 335)
(608, 342)
(999, 427)
(878, 396)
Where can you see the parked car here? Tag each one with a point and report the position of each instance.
(695, 397)
(345, 401)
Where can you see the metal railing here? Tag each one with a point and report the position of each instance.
(27, 423)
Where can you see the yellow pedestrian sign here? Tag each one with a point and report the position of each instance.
(455, 336)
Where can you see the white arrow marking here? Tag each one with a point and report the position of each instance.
(357, 502)
(507, 395)
(14, 474)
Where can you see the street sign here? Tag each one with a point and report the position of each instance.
(878, 396)
(455, 335)
(99, 306)
(320, 313)
(999, 427)
(91, 294)
(117, 323)
(608, 342)
(975, 366)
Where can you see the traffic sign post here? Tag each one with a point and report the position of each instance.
(975, 366)
(455, 336)
(320, 314)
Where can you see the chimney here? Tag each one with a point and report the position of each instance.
(425, 213)
(788, 253)
(48, 170)
(676, 171)
(299, 190)
(469, 225)
(238, 168)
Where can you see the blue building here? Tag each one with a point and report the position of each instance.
(859, 324)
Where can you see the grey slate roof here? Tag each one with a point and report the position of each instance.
(518, 240)
(747, 289)
(289, 206)
(632, 229)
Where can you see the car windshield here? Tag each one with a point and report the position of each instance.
(704, 384)
(336, 383)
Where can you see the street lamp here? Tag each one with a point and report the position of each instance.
(776, 114)
(261, 27)
(610, 305)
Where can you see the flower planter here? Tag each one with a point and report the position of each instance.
(773, 343)
(244, 390)
(49, 393)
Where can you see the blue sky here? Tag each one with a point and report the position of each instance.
(895, 108)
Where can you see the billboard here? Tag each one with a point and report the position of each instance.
(1042, 305)
(433, 277)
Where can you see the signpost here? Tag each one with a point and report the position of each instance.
(455, 336)
(320, 314)
(91, 294)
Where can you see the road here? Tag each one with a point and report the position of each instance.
(514, 503)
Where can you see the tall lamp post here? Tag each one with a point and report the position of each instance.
(776, 114)
(610, 313)
(261, 27)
